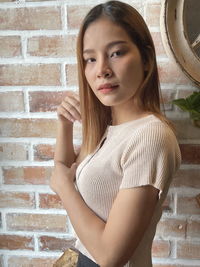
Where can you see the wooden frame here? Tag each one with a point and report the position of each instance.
(175, 40)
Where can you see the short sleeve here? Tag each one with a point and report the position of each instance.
(151, 158)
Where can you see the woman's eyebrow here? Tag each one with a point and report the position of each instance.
(109, 45)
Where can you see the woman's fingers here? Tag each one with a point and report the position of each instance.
(76, 96)
(73, 101)
(64, 114)
(72, 95)
(70, 107)
(73, 110)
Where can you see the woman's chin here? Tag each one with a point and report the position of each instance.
(108, 103)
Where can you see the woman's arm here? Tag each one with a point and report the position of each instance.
(67, 112)
(111, 243)
(64, 150)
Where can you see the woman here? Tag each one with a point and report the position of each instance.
(129, 151)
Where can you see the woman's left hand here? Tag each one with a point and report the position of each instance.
(62, 177)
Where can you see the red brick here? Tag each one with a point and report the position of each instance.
(28, 127)
(174, 265)
(13, 242)
(36, 222)
(16, 200)
(187, 205)
(19, 261)
(2, 1)
(48, 243)
(198, 199)
(32, 18)
(161, 248)
(193, 229)
(171, 227)
(190, 153)
(185, 129)
(187, 178)
(49, 201)
(37, 0)
(77, 149)
(75, 15)
(170, 265)
(54, 46)
(27, 175)
(188, 250)
(32, 128)
(167, 97)
(11, 102)
(43, 152)
(41, 101)
(160, 51)
(153, 14)
(168, 204)
(183, 93)
(77, 134)
(139, 6)
(169, 72)
(11, 151)
(1, 261)
(30, 74)
(71, 75)
(10, 46)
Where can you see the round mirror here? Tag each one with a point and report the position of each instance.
(192, 24)
(180, 30)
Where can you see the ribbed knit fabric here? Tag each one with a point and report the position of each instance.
(136, 153)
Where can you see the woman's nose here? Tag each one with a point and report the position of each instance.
(104, 70)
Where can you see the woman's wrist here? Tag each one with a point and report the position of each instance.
(67, 191)
(65, 124)
(62, 181)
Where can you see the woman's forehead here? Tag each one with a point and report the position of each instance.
(103, 31)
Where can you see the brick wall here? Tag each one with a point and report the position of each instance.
(37, 66)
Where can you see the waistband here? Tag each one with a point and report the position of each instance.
(84, 261)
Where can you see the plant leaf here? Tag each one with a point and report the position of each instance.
(194, 100)
(181, 103)
(190, 104)
(195, 115)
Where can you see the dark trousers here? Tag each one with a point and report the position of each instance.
(84, 261)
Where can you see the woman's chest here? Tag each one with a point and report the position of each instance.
(99, 176)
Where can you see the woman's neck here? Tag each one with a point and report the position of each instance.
(127, 113)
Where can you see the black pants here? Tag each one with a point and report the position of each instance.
(84, 261)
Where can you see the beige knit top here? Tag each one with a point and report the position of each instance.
(136, 153)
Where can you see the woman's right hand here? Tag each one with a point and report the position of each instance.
(69, 110)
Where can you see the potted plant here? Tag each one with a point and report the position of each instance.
(190, 104)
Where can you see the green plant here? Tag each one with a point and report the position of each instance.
(190, 104)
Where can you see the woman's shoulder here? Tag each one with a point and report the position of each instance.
(152, 130)
(150, 124)
(152, 139)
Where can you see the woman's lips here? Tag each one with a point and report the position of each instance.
(107, 88)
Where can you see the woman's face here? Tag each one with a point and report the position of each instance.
(113, 64)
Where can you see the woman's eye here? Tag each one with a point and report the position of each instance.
(116, 54)
(89, 60)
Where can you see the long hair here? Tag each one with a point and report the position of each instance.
(96, 116)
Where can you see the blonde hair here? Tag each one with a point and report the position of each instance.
(96, 116)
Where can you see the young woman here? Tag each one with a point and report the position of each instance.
(114, 188)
